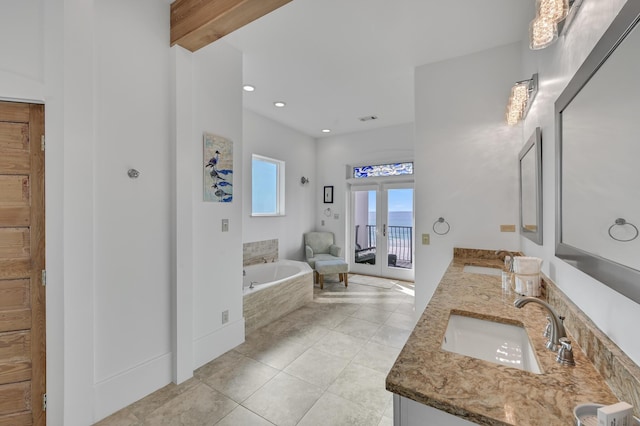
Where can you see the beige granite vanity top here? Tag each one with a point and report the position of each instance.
(483, 392)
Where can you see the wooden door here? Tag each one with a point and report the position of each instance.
(22, 295)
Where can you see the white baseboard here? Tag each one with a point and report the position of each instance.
(211, 346)
(123, 389)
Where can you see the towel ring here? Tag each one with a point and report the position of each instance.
(621, 222)
(441, 220)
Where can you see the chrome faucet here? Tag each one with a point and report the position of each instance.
(557, 336)
(557, 327)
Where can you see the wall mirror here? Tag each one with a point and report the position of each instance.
(530, 171)
(598, 148)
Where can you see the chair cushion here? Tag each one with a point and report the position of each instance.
(319, 257)
(333, 266)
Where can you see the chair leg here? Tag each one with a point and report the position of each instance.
(321, 281)
(346, 279)
(315, 277)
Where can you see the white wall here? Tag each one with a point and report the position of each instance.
(217, 255)
(132, 341)
(556, 65)
(22, 50)
(109, 253)
(265, 137)
(465, 158)
(393, 143)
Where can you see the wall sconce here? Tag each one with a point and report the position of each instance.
(304, 180)
(521, 98)
(552, 18)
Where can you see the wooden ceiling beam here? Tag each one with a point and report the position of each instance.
(196, 23)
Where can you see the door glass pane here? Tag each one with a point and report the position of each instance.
(400, 228)
(365, 224)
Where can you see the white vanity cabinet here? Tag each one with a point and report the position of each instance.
(407, 412)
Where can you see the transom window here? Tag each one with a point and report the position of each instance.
(378, 170)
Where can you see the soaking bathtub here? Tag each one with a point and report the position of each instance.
(278, 288)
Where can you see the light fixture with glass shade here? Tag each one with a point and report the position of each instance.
(552, 17)
(521, 98)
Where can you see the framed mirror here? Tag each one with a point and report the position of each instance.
(598, 187)
(530, 172)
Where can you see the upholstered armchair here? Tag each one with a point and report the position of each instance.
(320, 246)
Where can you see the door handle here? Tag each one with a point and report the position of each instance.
(384, 230)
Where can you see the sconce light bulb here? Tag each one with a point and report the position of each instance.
(542, 32)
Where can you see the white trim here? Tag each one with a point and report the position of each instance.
(116, 392)
(212, 345)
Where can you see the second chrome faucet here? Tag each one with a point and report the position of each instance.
(558, 341)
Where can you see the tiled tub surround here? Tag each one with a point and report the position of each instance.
(483, 392)
(259, 251)
(267, 302)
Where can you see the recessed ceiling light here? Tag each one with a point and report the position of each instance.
(248, 88)
(279, 104)
(326, 130)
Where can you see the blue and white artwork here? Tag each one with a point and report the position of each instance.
(218, 169)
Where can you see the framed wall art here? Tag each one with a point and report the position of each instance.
(218, 169)
(328, 194)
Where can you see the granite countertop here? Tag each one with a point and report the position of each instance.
(480, 391)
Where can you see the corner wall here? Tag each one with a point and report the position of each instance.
(556, 65)
(465, 158)
(217, 255)
(335, 153)
(265, 137)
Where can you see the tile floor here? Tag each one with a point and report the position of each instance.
(323, 364)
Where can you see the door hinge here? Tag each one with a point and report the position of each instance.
(44, 402)
(44, 277)
(42, 142)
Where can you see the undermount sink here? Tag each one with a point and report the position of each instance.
(491, 341)
(485, 270)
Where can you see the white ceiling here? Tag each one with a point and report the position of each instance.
(333, 61)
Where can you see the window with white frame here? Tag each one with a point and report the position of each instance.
(267, 186)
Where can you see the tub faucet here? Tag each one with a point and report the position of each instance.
(264, 260)
(557, 327)
(252, 283)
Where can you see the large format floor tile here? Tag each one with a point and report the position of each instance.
(317, 367)
(363, 386)
(239, 380)
(340, 344)
(284, 400)
(332, 410)
(198, 406)
(240, 416)
(323, 364)
(358, 328)
(377, 357)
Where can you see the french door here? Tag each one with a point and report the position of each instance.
(382, 225)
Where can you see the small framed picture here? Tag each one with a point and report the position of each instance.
(328, 194)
